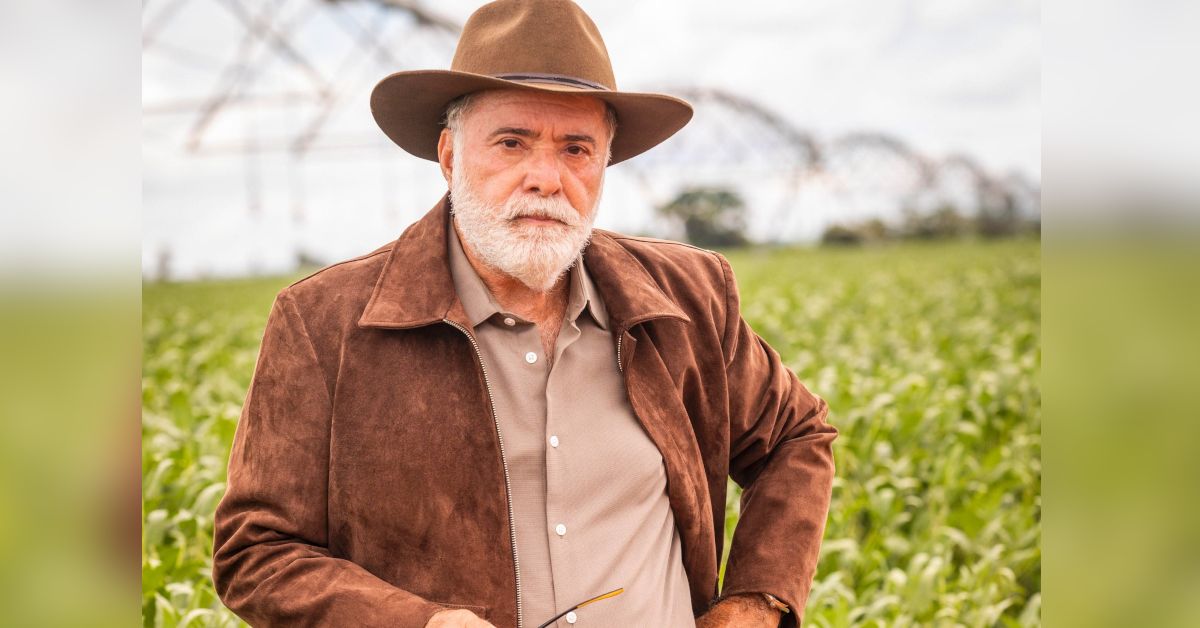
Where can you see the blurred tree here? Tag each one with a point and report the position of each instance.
(998, 216)
(711, 216)
(944, 222)
(869, 231)
(874, 230)
(841, 235)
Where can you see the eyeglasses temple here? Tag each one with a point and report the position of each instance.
(613, 593)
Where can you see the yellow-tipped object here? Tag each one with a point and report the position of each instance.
(612, 593)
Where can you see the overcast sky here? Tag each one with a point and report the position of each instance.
(943, 76)
(946, 76)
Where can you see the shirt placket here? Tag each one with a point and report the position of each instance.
(520, 343)
(560, 441)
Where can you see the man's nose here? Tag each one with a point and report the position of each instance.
(543, 175)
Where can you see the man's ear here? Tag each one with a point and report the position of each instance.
(445, 151)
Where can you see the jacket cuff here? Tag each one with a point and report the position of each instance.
(786, 620)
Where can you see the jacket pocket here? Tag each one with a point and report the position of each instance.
(481, 611)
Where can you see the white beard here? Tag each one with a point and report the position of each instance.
(535, 255)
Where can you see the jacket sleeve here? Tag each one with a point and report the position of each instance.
(781, 455)
(271, 563)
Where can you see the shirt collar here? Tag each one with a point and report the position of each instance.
(414, 287)
(479, 303)
(584, 293)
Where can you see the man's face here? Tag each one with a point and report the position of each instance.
(526, 171)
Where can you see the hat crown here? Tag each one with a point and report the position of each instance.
(553, 38)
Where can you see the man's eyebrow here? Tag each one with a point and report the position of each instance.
(512, 130)
(570, 137)
(579, 137)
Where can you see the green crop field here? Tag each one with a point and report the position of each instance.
(928, 354)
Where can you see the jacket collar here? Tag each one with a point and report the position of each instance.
(415, 287)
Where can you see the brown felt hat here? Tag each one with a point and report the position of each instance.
(540, 45)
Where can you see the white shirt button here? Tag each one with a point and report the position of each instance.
(531, 357)
(560, 529)
(554, 441)
(510, 321)
(572, 617)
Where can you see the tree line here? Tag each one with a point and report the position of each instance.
(715, 217)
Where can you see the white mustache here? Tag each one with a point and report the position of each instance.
(534, 206)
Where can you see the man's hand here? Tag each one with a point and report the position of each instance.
(457, 618)
(742, 610)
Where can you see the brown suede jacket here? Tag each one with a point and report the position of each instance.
(367, 481)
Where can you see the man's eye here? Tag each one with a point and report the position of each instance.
(576, 149)
(510, 143)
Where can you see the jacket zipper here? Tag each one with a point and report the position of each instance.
(512, 529)
(620, 366)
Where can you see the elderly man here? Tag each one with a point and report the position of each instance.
(506, 417)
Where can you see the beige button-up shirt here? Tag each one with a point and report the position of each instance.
(588, 485)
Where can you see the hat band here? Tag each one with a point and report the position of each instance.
(551, 78)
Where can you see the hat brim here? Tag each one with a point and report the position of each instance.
(409, 106)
